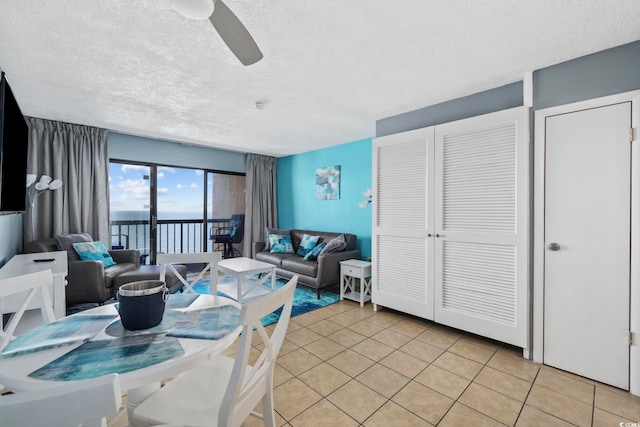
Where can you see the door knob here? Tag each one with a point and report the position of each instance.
(554, 246)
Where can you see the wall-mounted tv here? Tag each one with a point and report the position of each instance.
(14, 134)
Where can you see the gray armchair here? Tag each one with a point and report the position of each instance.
(88, 281)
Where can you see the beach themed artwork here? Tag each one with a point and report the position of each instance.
(328, 183)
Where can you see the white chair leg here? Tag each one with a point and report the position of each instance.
(268, 412)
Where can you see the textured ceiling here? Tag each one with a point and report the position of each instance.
(331, 68)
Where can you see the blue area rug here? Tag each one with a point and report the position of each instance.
(304, 298)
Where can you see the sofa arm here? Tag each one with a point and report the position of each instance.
(85, 282)
(126, 255)
(258, 247)
(329, 265)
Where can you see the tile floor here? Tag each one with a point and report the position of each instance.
(344, 365)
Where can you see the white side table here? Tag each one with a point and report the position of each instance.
(353, 270)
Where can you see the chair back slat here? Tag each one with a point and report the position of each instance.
(33, 287)
(248, 384)
(209, 259)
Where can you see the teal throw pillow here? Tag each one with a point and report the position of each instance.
(94, 251)
(280, 244)
(313, 253)
(269, 230)
(307, 244)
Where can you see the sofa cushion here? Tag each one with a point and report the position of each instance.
(89, 251)
(335, 245)
(66, 241)
(280, 244)
(313, 253)
(307, 244)
(269, 230)
(266, 256)
(299, 265)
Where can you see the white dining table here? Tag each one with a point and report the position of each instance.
(45, 367)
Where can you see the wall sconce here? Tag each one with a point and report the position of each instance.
(35, 189)
(367, 194)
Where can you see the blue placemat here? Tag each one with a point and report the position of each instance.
(68, 330)
(181, 300)
(95, 358)
(209, 323)
(169, 319)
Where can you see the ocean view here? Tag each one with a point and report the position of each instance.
(173, 237)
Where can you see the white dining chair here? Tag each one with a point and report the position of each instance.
(209, 259)
(86, 402)
(224, 391)
(25, 289)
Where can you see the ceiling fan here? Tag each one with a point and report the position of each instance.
(226, 23)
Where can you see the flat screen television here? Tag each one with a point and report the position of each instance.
(14, 134)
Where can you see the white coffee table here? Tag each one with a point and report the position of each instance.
(252, 278)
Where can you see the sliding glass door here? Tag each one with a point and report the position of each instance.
(181, 213)
(157, 208)
(130, 188)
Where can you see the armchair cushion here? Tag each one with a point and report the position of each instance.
(87, 281)
(94, 251)
(66, 241)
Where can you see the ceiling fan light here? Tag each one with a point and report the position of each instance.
(193, 9)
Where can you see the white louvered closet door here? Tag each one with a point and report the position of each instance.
(402, 219)
(481, 225)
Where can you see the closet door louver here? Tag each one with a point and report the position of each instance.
(402, 218)
(481, 220)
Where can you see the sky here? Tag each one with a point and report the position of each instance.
(179, 190)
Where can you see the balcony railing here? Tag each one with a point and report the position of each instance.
(173, 235)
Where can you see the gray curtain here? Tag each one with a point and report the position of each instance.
(262, 203)
(78, 156)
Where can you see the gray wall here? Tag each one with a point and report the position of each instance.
(489, 101)
(10, 236)
(600, 74)
(140, 149)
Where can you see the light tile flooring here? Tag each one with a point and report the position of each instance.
(344, 365)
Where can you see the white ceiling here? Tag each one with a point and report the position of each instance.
(331, 68)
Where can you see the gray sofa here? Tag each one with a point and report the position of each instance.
(90, 282)
(317, 274)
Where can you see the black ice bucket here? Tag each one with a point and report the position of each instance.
(141, 304)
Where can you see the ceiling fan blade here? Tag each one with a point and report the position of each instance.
(234, 34)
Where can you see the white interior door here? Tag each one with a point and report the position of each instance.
(587, 243)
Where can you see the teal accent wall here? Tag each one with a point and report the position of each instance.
(297, 204)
